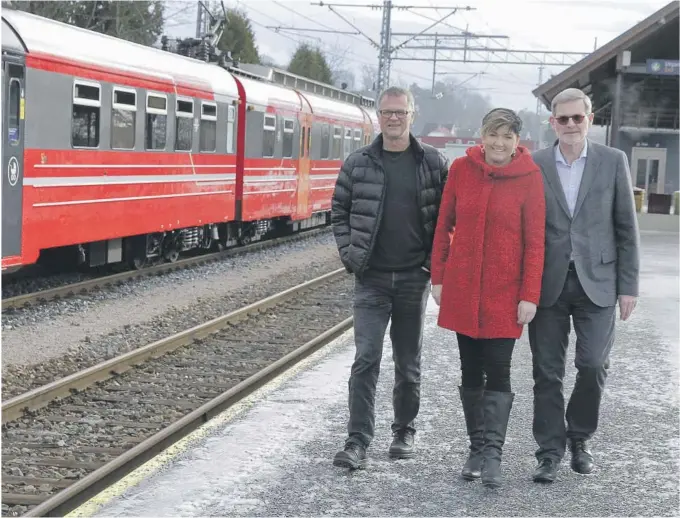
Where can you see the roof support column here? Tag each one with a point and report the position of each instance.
(616, 112)
(622, 62)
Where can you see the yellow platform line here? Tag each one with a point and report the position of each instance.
(155, 464)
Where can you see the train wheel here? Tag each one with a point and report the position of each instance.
(171, 256)
(139, 263)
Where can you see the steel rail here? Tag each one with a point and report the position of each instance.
(17, 406)
(92, 484)
(90, 284)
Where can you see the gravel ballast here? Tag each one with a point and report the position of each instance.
(48, 341)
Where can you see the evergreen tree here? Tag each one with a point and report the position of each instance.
(310, 62)
(239, 38)
(137, 21)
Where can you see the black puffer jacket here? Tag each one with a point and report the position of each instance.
(358, 200)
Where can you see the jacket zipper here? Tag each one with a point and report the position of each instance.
(380, 213)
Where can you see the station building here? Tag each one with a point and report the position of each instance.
(633, 84)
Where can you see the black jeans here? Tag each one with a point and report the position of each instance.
(549, 338)
(379, 296)
(490, 356)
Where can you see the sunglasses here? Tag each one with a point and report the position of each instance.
(564, 119)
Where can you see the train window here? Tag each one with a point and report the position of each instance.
(288, 130)
(348, 141)
(337, 142)
(357, 139)
(123, 112)
(85, 117)
(208, 131)
(184, 125)
(309, 141)
(231, 117)
(269, 136)
(155, 134)
(303, 136)
(325, 141)
(13, 113)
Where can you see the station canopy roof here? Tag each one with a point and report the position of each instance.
(650, 87)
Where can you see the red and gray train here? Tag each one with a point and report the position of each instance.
(119, 152)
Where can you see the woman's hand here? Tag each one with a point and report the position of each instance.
(437, 293)
(526, 311)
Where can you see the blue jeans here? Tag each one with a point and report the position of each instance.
(379, 296)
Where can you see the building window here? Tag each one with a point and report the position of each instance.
(208, 132)
(184, 125)
(85, 118)
(231, 117)
(156, 131)
(123, 113)
(288, 130)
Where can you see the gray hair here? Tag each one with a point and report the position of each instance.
(571, 94)
(499, 118)
(397, 91)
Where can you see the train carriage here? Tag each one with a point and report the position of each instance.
(121, 152)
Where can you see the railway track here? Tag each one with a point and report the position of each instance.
(68, 440)
(67, 290)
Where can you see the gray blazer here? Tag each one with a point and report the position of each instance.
(603, 234)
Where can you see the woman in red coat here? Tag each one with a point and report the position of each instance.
(487, 264)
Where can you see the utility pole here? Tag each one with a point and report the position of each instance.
(385, 48)
(434, 62)
(199, 19)
(539, 138)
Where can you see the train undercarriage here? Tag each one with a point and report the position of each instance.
(149, 249)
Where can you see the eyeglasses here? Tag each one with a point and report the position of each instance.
(564, 119)
(387, 114)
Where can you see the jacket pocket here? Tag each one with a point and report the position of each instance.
(608, 256)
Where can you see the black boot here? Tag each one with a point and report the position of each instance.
(402, 445)
(352, 457)
(474, 421)
(497, 407)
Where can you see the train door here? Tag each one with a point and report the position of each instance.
(303, 206)
(12, 153)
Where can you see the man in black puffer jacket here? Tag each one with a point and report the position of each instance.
(384, 214)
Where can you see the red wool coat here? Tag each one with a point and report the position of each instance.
(489, 244)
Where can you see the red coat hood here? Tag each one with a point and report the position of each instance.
(521, 165)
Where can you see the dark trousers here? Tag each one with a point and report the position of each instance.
(490, 357)
(549, 338)
(379, 296)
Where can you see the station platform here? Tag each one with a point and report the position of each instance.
(272, 454)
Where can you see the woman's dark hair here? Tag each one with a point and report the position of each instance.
(499, 117)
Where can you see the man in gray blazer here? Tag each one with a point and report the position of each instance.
(591, 263)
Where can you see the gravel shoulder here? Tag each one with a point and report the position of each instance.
(53, 339)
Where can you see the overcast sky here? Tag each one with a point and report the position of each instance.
(549, 25)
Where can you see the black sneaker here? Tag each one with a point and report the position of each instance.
(352, 457)
(402, 445)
